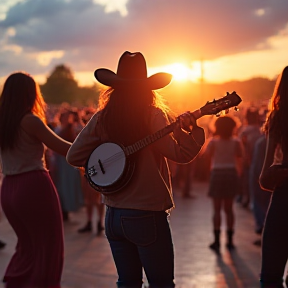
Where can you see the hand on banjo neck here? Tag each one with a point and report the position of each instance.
(110, 165)
(187, 120)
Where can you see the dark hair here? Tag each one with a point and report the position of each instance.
(252, 116)
(20, 95)
(125, 113)
(225, 126)
(277, 118)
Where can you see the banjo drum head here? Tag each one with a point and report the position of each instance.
(113, 161)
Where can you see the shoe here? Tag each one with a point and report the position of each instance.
(259, 230)
(215, 246)
(245, 204)
(100, 228)
(239, 199)
(257, 243)
(2, 244)
(230, 246)
(86, 228)
(65, 216)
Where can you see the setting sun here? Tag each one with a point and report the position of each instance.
(179, 71)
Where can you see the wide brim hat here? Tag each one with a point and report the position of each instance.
(132, 73)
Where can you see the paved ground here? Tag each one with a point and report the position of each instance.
(89, 264)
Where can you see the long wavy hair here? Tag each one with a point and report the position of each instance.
(20, 95)
(277, 117)
(126, 113)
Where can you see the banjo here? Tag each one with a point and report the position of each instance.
(110, 165)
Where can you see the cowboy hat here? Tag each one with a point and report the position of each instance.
(132, 72)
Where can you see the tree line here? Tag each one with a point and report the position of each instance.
(61, 86)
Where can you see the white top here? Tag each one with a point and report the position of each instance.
(28, 155)
(224, 152)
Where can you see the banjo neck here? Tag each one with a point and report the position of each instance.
(131, 149)
(214, 107)
(109, 168)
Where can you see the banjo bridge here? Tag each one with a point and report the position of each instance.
(101, 166)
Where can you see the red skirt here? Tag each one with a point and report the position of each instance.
(31, 205)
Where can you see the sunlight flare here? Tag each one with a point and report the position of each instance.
(180, 72)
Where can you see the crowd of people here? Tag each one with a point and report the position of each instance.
(73, 188)
(44, 153)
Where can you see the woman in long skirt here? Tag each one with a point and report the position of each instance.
(28, 197)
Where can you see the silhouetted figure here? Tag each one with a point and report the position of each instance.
(92, 198)
(224, 152)
(28, 196)
(274, 177)
(249, 134)
(67, 179)
(259, 198)
(183, 179)
(136, 222)
(2, 243)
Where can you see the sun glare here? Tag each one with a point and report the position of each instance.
(179, 71)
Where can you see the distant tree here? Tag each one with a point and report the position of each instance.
(88, 95)
(62, 87)
(191, 95)
(254, 89)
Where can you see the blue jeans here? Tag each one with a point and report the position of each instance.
(141, 239)
(275, 239)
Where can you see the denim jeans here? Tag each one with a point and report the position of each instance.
(141, 240)
(275, 239)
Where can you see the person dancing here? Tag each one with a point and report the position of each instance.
(28, 196)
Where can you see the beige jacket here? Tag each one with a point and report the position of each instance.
(150, 185)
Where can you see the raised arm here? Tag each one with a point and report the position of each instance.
(182, 147)
(34, 126)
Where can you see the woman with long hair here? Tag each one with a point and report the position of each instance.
(28, 196)
(274, 178)
(136, 222)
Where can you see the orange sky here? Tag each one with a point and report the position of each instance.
(218, 40)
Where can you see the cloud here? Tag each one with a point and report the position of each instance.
(45, 58)
(95, 33)
(114, 5)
